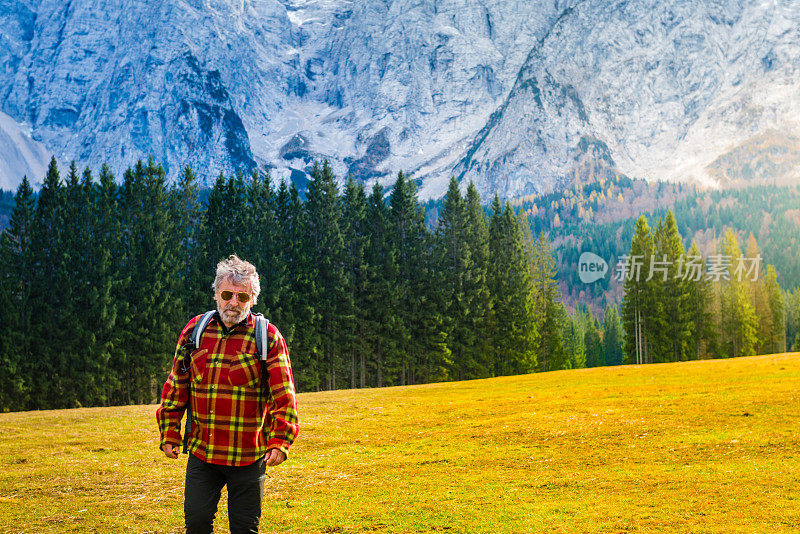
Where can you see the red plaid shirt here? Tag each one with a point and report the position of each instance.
(234, 419)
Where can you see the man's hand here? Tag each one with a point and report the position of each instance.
(171, 451)
(274, 457)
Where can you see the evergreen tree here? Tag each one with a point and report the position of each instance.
(792, 315)
(326, 250)
(698, 305)
(381, 289)
(767, 300)
(12, 381)
(476, 288)
(215, 236)
(613, 346)
(750, 272)
(82, 376)
(574, 342)
(295, 313)
(16, 281)
(419, 300)
(148, 319)
(671, 332)
(547, 309)
(260, 244)
(49, 372)
(355, 227)
(775, 338)
(237, 215)
(593, 343)
(192, 295)
(638, 302)
(104, 262)
(452, 263)
(224, 226)
(514, 330)
(738, 319)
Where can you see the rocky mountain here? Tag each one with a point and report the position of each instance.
(518, 96)
(652, 89)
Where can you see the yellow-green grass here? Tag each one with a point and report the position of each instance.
(707, 446)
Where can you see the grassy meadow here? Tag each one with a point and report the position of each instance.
(708, 446)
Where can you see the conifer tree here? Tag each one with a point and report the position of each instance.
(452, 263)
(215, 236)
(476, 287)
(104, 262)
(791, 312)
(12, 381)
(419, 304)
(192, 295)
(48, 371)
(82, 384)
(355, 230)
(381, 305)
(326, 250)
(236, 204)
(295, 313)
(766, 298)
(224, 226)
(738, 319)
(147, 322)
(593, 343)
(754, 286)
(16, 281)
(514, 330)
(260, 244)
(775, 338)
(548, 312)
(430, 355)
(282, 233)
(671, 331)
(637, 304)
(574, 342)
(613, 348)
(698, 301)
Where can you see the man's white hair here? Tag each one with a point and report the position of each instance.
(239, 272)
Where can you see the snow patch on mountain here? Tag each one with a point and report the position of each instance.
(21, 155)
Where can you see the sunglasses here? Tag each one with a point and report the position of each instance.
(228, 295)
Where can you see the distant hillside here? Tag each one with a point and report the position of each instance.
(599, 217)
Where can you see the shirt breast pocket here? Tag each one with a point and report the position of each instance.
(199, 364)
(244, 371)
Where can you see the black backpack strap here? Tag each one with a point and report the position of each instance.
(262, 336)
(200, 327)
(262, 342)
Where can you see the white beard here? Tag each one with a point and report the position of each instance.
(231, 316)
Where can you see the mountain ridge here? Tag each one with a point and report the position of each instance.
(509, 94)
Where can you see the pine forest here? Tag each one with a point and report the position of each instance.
(374, 288)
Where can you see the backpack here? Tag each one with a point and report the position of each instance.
(262, 347)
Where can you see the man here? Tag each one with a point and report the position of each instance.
(241, 421)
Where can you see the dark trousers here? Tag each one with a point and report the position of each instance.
(204, 484)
